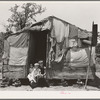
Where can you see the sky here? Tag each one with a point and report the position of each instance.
(80, 14)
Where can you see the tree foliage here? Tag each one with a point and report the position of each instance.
(24, 15)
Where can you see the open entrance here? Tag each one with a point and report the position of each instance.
(37, 47)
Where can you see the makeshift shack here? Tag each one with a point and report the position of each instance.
(58, 43)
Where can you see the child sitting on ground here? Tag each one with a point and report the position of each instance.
(34, 75)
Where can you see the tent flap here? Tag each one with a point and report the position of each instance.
(18, 48)
(20, 40)
(18, 56)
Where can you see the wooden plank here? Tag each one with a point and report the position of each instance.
(14, 71)
(12, 68)
(68, 73)
(14, 75)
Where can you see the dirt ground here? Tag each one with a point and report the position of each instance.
(51, 88)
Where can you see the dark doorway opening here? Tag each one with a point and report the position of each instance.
(37, 47)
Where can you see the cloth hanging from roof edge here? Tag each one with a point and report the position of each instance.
(59, 30)
(60, 33)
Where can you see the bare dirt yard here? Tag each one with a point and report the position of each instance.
(51, 88)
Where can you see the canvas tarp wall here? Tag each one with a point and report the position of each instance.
(15, 56)
(16, 49)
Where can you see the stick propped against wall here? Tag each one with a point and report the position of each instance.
(93, 43)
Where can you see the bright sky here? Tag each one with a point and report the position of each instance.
(81, 14)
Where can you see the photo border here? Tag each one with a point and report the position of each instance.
(51, 98)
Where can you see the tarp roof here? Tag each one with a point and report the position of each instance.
(40, 24)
